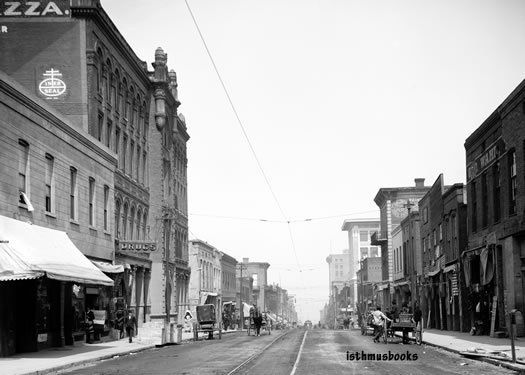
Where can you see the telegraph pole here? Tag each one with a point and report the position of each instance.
(167, 291)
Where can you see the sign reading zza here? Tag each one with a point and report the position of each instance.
(57, 8)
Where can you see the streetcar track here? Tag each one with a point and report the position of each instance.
(259, 353)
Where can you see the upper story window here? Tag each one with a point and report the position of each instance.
(73, 194)
(496, 191)
(23, 171)
(474, 205)
(106, 208)
(363, 236)
(513, 185)
(91, 199)
(50, 184)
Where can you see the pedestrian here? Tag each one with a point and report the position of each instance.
(417, 317)
(131, 324)
(257, 322)
(379, 318)
(120, 323)
(90, 326)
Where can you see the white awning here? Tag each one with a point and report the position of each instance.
(452, 267)
(108, 267)
(32, 251)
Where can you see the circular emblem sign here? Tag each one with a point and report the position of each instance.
(52, 86)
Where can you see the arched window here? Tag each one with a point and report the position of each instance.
(129, 102)
(144, 225)
(124, 221)
(139, 220)
(117, 219)
(124, 91)
(100, 64)
(144, 122)
(107, 80)
(131, 222)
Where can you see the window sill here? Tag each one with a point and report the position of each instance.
(74, 222)
(107, 233)
(22, 205)
(92, 228)
(50, 214)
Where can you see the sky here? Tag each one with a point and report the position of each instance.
(338, 99)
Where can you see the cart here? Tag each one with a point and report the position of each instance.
(207, 320)
(404, 324)
(266, 325)
(366, 324)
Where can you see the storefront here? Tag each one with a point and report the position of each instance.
(43, 276)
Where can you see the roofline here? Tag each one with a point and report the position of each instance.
(348, 222)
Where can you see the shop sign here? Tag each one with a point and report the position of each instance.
(91, 290)
(485, 159)
(56, 8)
(137, 246)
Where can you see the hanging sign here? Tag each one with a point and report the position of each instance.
(137, 246)
(455, 289)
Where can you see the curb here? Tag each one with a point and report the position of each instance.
(86, 361)
(508, 365)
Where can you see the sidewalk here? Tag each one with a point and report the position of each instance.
(457, 342)
(55, 359)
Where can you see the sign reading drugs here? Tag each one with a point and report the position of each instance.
(45, 8)
(137, 246)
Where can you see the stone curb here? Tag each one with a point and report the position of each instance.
(509, 365)
(103, 357)
(86, 361)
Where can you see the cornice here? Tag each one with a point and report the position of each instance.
(17, 93)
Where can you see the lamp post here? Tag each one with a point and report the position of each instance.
(241, 313)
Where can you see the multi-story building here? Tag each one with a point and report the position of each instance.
(168, 216)
(229, 284)
(338, 272)
(83, 67)
(443, 236)
(393, 204)
(367, 276)
(359, 247)
(495, 157)
(60, 180)
(205, 280)
(258, 271)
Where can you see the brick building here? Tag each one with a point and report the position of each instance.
(367, 275)
(495, 157)
(56, 177)
(82, 66)
(393, 204)
(258, 271)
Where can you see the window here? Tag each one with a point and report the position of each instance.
(106, 208)
(117, 142)
(474, 211)
(131, 157)
(434, 238)
(484, 200)
(73, 194)
(23, 170)
(144, 168)
(363, 236)
(124, 151)
(254, 277)
(496, 191)
(109, 129)
(100, 129)
(440, 232)
(91, 201)
(513, 185)
(137, 164)
(364, 252)
(49, 184)
(425, 215)
(374, 251)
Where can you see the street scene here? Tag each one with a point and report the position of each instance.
(287, 187)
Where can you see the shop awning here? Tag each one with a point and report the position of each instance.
(400, 283)
(31, 251)
(449, 268)
(108, 267)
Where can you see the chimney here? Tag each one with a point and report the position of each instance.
(420, 182)
(246, 260)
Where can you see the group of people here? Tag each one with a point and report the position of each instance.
(124, 321)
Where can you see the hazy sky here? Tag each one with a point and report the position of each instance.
(339, 98)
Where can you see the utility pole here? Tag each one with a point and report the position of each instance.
(241, 313)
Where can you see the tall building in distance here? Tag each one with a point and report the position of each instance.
(359, 247)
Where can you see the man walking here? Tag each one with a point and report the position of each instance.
(90, 326)
(378, 320)
(131, 324)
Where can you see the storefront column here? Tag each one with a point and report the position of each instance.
(147, 278)
(139, 292)
(62, 341)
